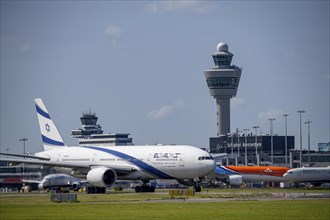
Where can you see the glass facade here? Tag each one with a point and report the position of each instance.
(223, 60)
(224, 144)
(88, 120)
(222, 82)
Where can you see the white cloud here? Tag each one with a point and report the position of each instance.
(236, 102)
(25, 47)
(197, 7)
(164, 110)
(153, 7)
(113, 31)
(271, 113)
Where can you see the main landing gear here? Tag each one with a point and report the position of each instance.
(197, 188)
(196, 183)
(95, 190)
(144, 188)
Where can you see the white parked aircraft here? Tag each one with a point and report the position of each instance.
(57, 181)
(102, 166)
(308, 174)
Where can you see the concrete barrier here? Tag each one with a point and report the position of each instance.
(63, 197)
(181, 192)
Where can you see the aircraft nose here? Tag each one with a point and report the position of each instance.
(43, 184)
(210, 166)
(213, 166)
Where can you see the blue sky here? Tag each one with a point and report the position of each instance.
(139, 66)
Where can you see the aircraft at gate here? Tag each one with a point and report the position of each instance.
(103, 166)
(236, 175)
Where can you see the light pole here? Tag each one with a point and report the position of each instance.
(271, 139)
(286, 138)
(225, 146)
(232, 144)
(246, 130)
(255, 144)
(300, 155)
(238, 144)
(309, 142)
(7, 149)
(24, 139)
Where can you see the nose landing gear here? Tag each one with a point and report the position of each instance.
(95, 190)
(144, 188)
(197, 188)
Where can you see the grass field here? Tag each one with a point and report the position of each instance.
(127, 205)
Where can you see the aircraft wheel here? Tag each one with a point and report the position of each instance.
(88, 190)
(138, 189)
(198, 189)
(100, 190)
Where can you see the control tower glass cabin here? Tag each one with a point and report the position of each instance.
(222, 81)
(89, 126)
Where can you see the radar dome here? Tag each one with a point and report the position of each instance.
(222, 47)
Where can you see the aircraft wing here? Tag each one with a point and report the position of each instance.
(25, 156)
(30, 181)
(42, 162)
(120, 169)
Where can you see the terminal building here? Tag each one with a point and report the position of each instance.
(11, 176)
(258, 149)
(255, 144)
(91, 133)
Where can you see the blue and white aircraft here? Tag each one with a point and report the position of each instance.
(102, 166)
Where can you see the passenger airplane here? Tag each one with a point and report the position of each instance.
(236, 175)
(57, 181)
(102, 166)
(308, 174)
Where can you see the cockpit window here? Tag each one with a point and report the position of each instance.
(205, 158)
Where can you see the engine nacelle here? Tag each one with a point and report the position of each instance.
(235, 180)
(76, 186)
(186, 182)
(101, 177)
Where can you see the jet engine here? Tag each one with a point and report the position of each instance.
(76, 186)
(235, 180)
(101, 177)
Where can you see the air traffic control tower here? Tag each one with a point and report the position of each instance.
(223, 80)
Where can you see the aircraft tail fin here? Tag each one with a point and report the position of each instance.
(49, 133)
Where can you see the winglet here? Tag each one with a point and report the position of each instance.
(49, 133)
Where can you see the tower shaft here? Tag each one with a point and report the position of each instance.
(223, 116)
